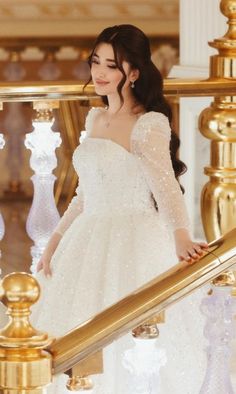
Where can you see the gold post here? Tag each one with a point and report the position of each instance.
(218, 123)
(24, 366)
(44, 110)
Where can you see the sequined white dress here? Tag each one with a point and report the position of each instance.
(115, 240)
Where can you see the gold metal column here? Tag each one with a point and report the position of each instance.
(218, 123)
(25, 368)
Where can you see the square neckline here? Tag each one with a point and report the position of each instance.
(114, 142)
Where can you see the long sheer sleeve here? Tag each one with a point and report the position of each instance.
(151, 143)
(74, 209)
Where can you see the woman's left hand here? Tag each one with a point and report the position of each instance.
(186, 249)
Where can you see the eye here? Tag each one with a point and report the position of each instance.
(112, 66)
(94, 61)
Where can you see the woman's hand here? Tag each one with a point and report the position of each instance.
(190, 251)
(186, 249)
(44, 264)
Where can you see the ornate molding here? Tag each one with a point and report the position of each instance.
(74, 9)
(160, 17)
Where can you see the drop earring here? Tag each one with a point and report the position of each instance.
(132, 85)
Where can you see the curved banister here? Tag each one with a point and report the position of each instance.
(147, 301)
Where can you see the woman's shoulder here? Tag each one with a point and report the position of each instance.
(152, 122)
(153, 118)
(90, 118)
(91, 115)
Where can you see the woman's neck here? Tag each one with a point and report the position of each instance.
(115, 105)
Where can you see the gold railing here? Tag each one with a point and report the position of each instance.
(75, 347)
(66, 90)
(143, 304)
(20, 341)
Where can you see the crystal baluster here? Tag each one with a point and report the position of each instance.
(43, 216)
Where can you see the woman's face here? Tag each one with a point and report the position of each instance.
(105, 74)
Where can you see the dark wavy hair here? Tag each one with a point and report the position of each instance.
(130, 44)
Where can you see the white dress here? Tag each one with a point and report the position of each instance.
(115, 240)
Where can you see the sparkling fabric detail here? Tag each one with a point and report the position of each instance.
(150, 176)
(75, 207)
(93, 112)
(114, 240)
(73, 211)
(150, 143)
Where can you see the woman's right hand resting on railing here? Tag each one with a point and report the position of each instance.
(44, 262)
(186, 249)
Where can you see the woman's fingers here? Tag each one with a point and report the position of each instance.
(193, 252)
(203, 245)
(47, 270)
(45, 267)
(185, 256)
(39, 266)
(198, 249)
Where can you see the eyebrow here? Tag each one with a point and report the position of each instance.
(108, 60)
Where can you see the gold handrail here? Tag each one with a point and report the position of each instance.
(70, 90)
(20, 341)
(144, 303)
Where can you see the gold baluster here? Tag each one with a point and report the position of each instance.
(218, 123)
(80, 373)
(225, 279)
(24, 366)
(44, 110)
(149, 330)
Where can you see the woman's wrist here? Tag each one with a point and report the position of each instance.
(51, 246)
(182, 234)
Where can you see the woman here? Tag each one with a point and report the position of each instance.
(128, 220)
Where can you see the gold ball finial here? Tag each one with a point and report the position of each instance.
(24, 364)
(228, 8)
(226, 45)
(20, 290)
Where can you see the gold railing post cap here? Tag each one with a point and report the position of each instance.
(19, 289)
(228, 8)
